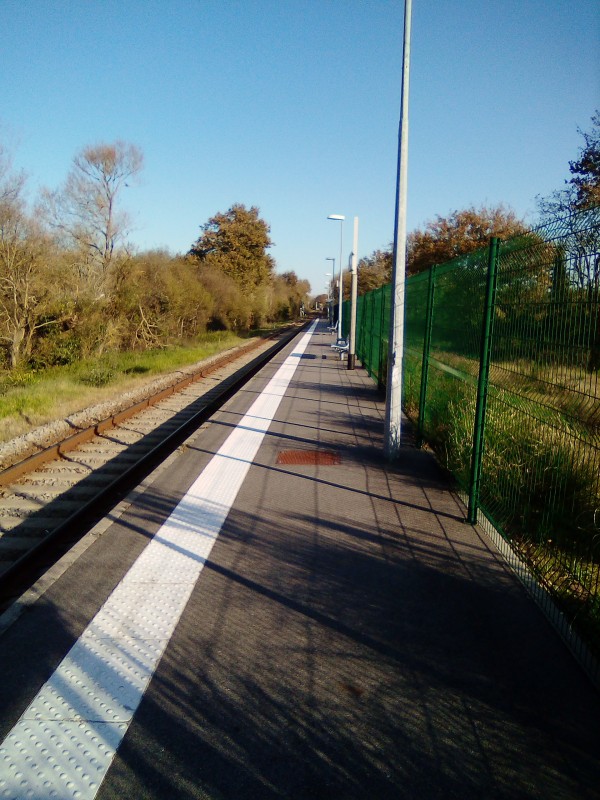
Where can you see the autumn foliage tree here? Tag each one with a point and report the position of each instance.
(374, 271)
(161, 299)
(72, 287)
(459, 233)
(441, 240)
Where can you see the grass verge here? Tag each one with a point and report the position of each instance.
(30, 399)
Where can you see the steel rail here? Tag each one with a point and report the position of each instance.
(17, 470)
(27, 568)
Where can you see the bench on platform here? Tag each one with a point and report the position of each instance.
(341, 346)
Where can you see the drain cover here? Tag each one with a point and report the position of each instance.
(325, 458)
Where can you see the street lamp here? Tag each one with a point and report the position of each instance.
(340, 218)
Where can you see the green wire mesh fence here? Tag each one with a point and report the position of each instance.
(501, 366)
(372, 331)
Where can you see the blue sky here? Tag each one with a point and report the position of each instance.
(294, 107)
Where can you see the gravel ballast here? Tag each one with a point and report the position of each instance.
(21, 447)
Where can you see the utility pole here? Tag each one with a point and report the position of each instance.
(353, 299)
(340, 218)
(393, 410)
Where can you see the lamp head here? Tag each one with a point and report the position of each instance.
(336, 216)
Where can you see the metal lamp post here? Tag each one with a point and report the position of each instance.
(340, 218)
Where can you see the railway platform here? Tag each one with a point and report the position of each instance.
(276, 612)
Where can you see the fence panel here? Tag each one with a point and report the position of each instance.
(415, 323)
(447, 407)
(372, 326)
(541, 467)
(539, 483)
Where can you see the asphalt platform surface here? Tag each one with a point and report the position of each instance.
(349, 636)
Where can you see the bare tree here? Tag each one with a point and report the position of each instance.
(23, 289)
(11, 183)
(86, 211)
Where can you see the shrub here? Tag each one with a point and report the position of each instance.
(98, 376)
(57, 348)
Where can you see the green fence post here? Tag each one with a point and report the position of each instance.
(425, 361)
(369, 343)
(381, 365)
(386, 310)
(482, 385)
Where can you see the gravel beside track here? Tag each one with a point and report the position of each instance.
(36, 504)
(46, 435)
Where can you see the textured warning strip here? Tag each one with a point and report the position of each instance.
(322, 458)
(64, 742)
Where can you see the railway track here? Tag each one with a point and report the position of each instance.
(50, 500)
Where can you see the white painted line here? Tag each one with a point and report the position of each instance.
(64, 743)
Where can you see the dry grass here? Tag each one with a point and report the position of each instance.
(49, 400)
(29, 400)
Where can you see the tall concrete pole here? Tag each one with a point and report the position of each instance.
(353, 299)
(340, 218)
(393, 412)
(341, 293)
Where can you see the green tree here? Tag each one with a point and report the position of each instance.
(158, 299)
(575, 208)
(236, 243)
(582, 190)
(586, 170)
(230, 308)
(289, 294)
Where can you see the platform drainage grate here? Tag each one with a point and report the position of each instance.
(324, 458)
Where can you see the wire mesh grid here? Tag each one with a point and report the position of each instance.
(539, 482)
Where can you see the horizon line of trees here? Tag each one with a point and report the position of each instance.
(71, 286)
(464, 231)
(548, 285)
